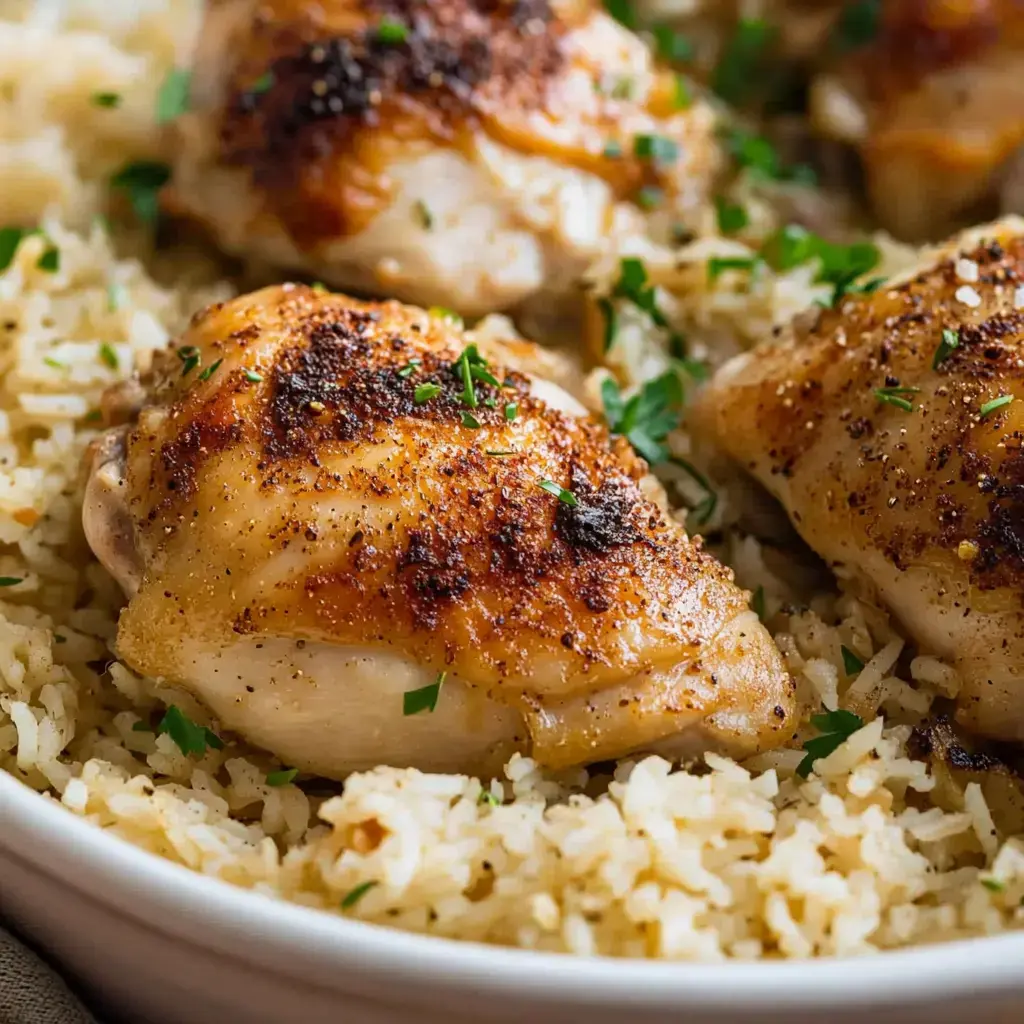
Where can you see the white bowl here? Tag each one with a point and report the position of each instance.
(156, 943)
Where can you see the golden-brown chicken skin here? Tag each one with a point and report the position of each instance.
(467, 153)
(319, 527)
(935, 104)
(891, 429)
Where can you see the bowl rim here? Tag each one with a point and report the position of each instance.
(297, 941)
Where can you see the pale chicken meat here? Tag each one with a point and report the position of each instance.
(891, 429)
(329, 516)
(467, 153)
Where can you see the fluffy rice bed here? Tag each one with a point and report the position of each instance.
(712, 861)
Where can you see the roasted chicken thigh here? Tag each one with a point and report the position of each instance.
(360, 538)
(891, 428)
(467, 153)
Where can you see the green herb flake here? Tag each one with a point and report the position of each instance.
(992, 884)
(648, 416)
(190, 358)
(410, 368)
(282, 777)
(657, 148)
(448, 315)
(611, 322)
(735, 74)
(55, 364)
(682, 96)
(210, 370)
(857, 24)
(950, 342)
(511, 411)
(731, 216)
(10, 581)
(425, 392)
(487, 797)
(836, 727)
(93, 416)
(705, 508)
(10, 239)
(671, 45)
(994, 404)
(109, 355)
(718, 265)
(469, 420)
(564, 496)
(189, 737)
(106, 99)
(650, 197)
(141, 726)
(141, 183)
(172, 99)
(423, 214)
(423, 699)
(392, 32)
(356, 894)
(263, 84)
(612, 150)
(851, 663)
(757, 603)
(117, 296)
(252, 376)
(623, 12)
(622, 89)
(896, 396)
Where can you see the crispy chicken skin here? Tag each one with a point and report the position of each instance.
(468, 153)
(924, 505)
(303, 543)
(935, 103)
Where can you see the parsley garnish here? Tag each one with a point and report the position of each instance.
(950, 342)
(392, 32)
(356, 894)
(611, 321)
(172, 99)
(445, 314)
(189, 737)
(650, 197)
(469, 420)
(836, 728)
(564, 496)
(858, 24)
(141, 183)
(10, 581)
(731, 216)
(718, 265)
(263, 84)
(10, 239)
(705, 508)
(612, 150)
(735, 74)
(423, 214)
(470, 367)
(425, 392)
(252, 376)
(410, 368)
(671, 45)
(511, 411)
(50, 260)
(647, 418)
(117, 294)
(106, 99)
(109, 355)
(894, 396)
(757, 603)
(841, 265)
(682, 98)
(282, 777)
(487, 797)
(996, 403)
(423, 699)
(210, 370)
(55, 363)
(655, 147)
(851, 663)
(623, 12)
(190, 358)
(757, 154)
(992, 884)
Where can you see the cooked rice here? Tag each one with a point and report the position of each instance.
(719, 860)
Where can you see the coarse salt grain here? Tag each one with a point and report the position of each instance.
(968, 296)
(966, 270)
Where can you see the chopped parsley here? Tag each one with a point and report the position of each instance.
(50, 260)
(756, 154)
(210, 370)
(896, 396)
(487, 797)
(992, 884)
(423, 214)
(56, 364)
(172, 99)
(189, 737)
(994, 404)
(109, 355)
(471, 367)
(623, 88)
(252, 376)
(117, 295)
(564, 496)
(425, 392)
(647, 418)
(282, 777)
(511, 411)
(10, 239)
(141, 182)
(735, 73)
(410, 367)
(851, 663)
(731, 216)
(469, 420)
(106, 99)
(671, 45)
(10, 581)
(950, 342)
(445, 314)
(657, 148)
(190, 358)
(623, 12)
(263, 84)
(606, 308)
(650, 197)
(632, 285)
(836, 727)
(718, 265)
(682, 97)
(356, 894)
(705, 508)
(141, 726)
(857, 24)
(757, 603)
(423, 699)
(392, 32)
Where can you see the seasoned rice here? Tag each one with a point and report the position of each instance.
(710, 861)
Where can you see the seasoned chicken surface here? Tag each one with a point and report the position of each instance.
(315, 515)
(935, 104)
(891, 429)
(467, 153)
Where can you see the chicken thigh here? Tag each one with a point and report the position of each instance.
(361, 540)
(891, 429)
(467, 153)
